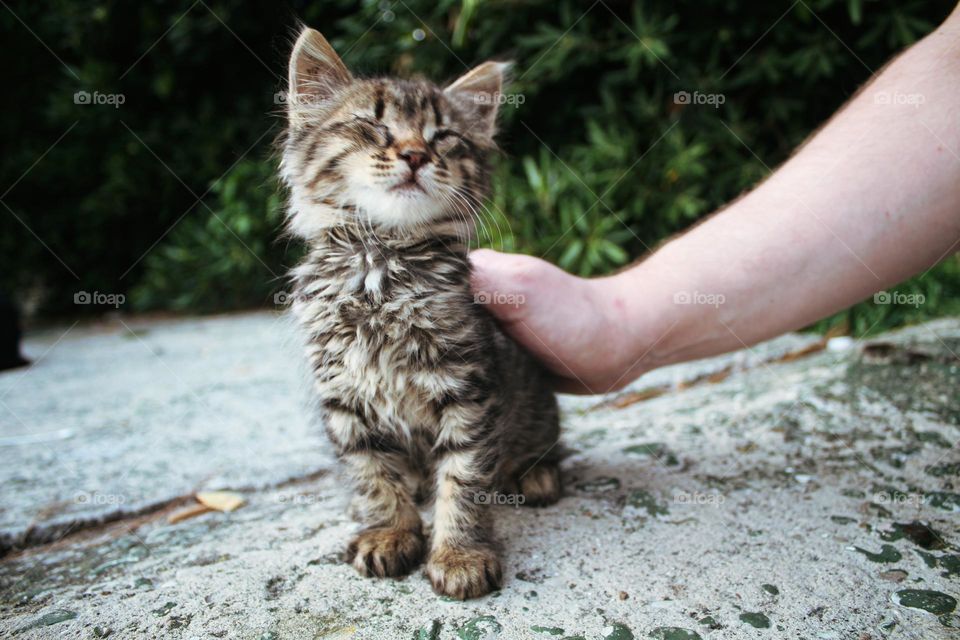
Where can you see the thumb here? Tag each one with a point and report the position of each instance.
(497, 282)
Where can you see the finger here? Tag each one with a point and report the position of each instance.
(484, 263)
(571, 386)
(494, 285)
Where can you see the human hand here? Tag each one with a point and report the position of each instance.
(577, 327)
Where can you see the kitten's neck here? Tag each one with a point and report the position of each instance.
(358, 260)
(451, 235)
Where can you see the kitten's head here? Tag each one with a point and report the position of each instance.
(391, 155)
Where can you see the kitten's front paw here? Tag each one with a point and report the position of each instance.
(464, 573)
(385, 552)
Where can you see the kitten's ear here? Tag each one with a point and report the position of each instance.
(316, 74)
(478, 93)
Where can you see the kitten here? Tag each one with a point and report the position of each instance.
(423, 394)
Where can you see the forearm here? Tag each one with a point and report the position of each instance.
(870, 200)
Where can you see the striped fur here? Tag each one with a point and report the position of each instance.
(423, 394)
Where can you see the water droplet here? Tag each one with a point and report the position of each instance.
(618, 631)
(480, 628)
(926, 600)
(757, 620)
(674, 633)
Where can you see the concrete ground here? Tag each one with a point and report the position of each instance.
(785, 492)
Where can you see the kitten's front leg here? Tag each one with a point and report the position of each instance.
(392, 541)
(463, 560)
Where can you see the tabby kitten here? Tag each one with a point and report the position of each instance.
(423, 394)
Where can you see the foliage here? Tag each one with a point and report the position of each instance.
(233, 240)
(601, 161)
(936, 293)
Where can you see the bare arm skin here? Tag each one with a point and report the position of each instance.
(870, 200)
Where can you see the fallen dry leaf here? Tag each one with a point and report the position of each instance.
(804, 352)
(636, 396)
(188, 512)
(719, 376)
(220, 500)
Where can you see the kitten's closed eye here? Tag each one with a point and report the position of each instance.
(447, 142)
(373, 132)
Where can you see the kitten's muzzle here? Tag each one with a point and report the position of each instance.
(415, 158)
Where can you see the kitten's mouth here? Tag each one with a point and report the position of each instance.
(408, 185)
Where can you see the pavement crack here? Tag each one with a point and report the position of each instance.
(51, 535)
(623, 400)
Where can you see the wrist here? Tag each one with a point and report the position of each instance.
(667, 312)
(636, 307)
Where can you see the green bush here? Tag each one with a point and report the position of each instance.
(216, 258)
(600, 162)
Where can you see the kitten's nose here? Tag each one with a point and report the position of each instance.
(416, 158)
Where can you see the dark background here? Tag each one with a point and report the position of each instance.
(169, 198)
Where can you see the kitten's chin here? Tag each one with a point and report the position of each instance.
(399, 209)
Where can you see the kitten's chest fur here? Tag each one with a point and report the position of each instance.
(392, 329)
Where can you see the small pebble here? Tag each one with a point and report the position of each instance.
(840, 343)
